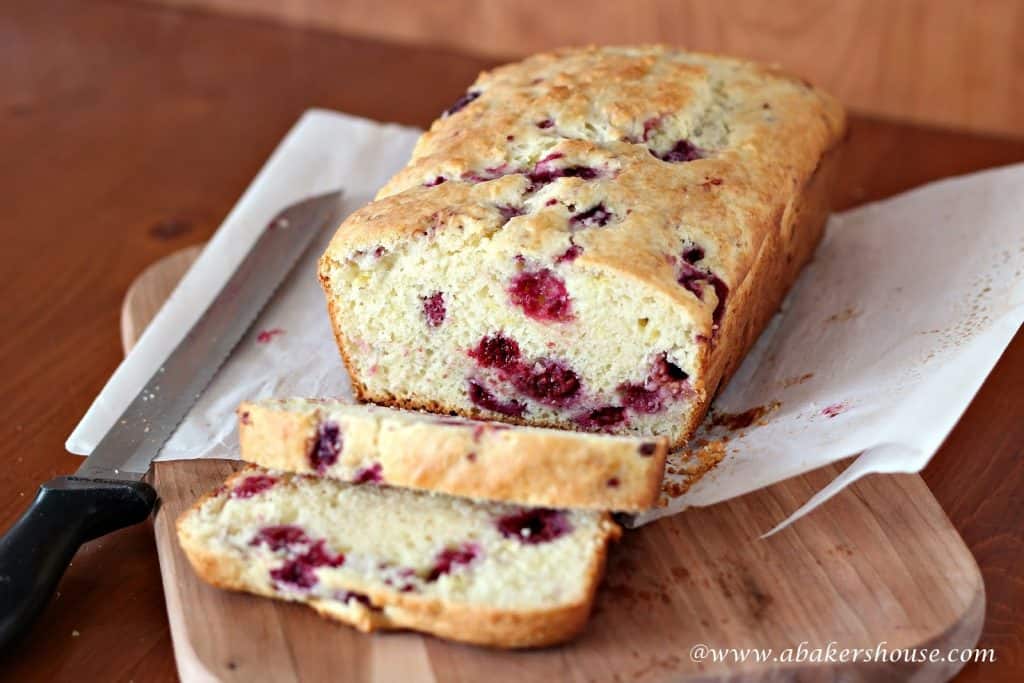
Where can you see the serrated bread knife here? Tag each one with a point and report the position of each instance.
(107, 492)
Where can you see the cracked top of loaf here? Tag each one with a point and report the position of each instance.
(618, 157)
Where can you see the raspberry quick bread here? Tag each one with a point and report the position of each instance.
(379, 558)
(587, 239)
(364, 443)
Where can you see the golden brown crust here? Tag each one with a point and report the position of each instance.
(525, 466)
(476, 624)
(358, 388)
(775, 269)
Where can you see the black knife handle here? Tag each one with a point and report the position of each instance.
(67, 512)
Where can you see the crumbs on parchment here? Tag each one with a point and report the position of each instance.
(734, 421)
(848, 313)
(793, 381)
(266, 336)
(835, 409)
(689, 466)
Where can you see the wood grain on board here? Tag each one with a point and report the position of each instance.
(129, 131)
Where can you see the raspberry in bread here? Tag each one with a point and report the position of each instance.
(488, 460)
(378, 557)
(588, 239)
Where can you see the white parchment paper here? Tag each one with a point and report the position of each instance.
(877, 351)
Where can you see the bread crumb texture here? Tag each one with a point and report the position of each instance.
(381, 557)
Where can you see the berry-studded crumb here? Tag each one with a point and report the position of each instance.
(570, 254)
(483, 398)
(300, 572)
(665, 380)
(326, 447)
(461, 103)
(490, 173)
(547, 175)
(601, 419)
(694, 278)
(647, 449)
(596, 216)
(303, 555)
(547, 381)
(640, 399)
(545, 171)
(451, 558)
(434, 309)
(554, 383)
(613, 483)
(253, 485)
(670, 377)
(509, 212)
(283, 537)
(377, 252)
(683, 150)
(373, 474)
(533, 526)
(349, 596)
(400, 577)
(650, 125)
(693, 253)
(294, 574)
(319, 556)
(548, 170)
(497, 351)
(542, 296)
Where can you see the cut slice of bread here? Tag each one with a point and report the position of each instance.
(378, 557)
(484, 460)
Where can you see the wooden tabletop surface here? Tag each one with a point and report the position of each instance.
(128, 132)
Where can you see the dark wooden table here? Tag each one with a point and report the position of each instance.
(129, 131)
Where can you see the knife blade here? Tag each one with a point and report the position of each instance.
(107, 491)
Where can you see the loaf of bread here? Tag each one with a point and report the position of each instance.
(378, 557)
(588, 239)
(487, 460)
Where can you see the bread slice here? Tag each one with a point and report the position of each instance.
(377, 557)
(487, 460)
(589, 239)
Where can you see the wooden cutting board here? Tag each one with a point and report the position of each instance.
(878, 564)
